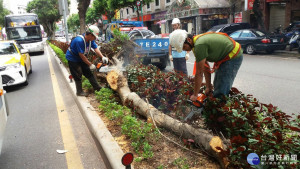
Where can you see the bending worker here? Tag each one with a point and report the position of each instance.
(77, 59)
(211, 47)
(178, 58)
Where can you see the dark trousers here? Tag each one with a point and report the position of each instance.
(180, 65)
(78, 69)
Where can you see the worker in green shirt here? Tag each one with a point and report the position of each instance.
(211, 47)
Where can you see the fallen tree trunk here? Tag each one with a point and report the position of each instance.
(202, 137)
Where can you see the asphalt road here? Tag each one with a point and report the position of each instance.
(272, 79)
(35, 129)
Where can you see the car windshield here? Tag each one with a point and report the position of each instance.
(7, 48)
(260, 33)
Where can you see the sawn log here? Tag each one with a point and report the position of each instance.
(202, 137)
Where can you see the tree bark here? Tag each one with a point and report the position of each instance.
(82, 8)
(202, 137)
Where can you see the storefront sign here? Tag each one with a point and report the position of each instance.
(145, 18)
(104, 17)
(238, 17)
(158, 16)
(250, 4)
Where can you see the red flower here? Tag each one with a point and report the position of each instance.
(241, 149)
(238, 140)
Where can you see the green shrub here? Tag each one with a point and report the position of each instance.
(59, 53)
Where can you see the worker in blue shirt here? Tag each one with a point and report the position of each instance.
(77, 59)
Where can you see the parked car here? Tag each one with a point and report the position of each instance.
(3, 113)
(229, 28)
(15, 63)
(253, 40)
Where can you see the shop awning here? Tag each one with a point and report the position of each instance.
(212, 4)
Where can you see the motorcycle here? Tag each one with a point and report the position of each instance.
(293, 42)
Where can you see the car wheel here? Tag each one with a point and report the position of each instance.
(250, 49)
(26, 76)
(30, 71)
(269, 51)
(162, 65)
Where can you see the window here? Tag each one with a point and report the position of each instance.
(127, 11)
(148, 5)
(235, 34)
(168, 1)
(156, 2)
(247, 34)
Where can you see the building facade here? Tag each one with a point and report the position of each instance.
(196, 16)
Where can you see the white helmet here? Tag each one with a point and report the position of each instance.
(177, 39)
(94, 30)
(175, 21)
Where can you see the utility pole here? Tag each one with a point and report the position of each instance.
(65, 19)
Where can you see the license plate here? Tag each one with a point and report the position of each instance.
(153, 60)
(275, 40)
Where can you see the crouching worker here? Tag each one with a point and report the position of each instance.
(77, 59)
(211, 47)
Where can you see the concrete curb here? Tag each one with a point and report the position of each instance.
(95, 124)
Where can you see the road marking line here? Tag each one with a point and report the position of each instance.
(72, 156)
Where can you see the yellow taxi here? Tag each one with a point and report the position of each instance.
(15, 63)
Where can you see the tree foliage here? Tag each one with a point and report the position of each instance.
(73, 22)
(133, 5)
(48, 13)
(3, 12)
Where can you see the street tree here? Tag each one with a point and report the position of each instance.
(48, 13)
(133, 5)
(82, 9)
(3, 12)
(73, 22)
(105, 7)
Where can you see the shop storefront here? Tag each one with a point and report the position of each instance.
(277, 13)
(198, 16)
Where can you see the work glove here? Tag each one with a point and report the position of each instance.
(105, 60)
(170, 57)
(92, 67)
(187, 55)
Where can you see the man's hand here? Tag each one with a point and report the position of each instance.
(193, 98)
(187, 55)
(92, 67)
(170, 57)
(105, 60)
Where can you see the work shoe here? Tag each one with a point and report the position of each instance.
(79, 91)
